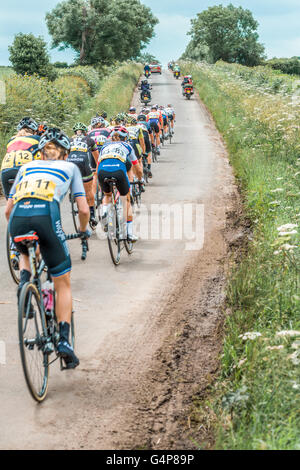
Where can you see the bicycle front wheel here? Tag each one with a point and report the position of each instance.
(113, 237)
(12, 259)
(32, 342)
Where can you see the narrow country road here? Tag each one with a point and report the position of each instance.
(148, 331)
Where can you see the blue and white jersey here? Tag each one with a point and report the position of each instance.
(113, 156)
(48, 180)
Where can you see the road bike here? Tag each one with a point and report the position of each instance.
(37, 322)
(115, 227)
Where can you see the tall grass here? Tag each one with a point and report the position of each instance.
(256, 399)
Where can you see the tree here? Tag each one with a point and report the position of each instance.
(230, 34)
(147, 58)
(28, 54)
(101, 31)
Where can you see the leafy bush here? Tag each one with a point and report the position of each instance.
(288, 66)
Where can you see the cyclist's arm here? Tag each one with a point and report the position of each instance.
(9, 208)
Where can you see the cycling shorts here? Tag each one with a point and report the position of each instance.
(6, 175)
(147, 141)
(82, 160)
(43, 218)
(154, 125)
(123, 184)
(165, 120)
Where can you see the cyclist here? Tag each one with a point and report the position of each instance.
(165, 121)
(132, 113)
(156, 123)
(117, 159)
(82, 146)
(148, 138)
(21, 149)
(171, 114)
(34, 205)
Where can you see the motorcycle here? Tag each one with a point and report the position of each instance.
(177, 74)
(145, 97)
(188, 92)
(147, 73)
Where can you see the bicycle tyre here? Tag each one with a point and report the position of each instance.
(15, 274)
(29, 345)
(113, 239)
(128, 247)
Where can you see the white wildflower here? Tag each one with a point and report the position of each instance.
(277, 190)
(284, 234)
(286, 227)
(288, 333)
(294, 358)
(274, 203)
(250, 335)
(274, 348)
(296, 344)
(287, 247)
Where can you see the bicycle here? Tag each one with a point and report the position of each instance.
(115, 225)
(37, 323)
(75, 213)
(11, 252)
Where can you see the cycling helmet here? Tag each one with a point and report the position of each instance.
(132, 110)
(121, 131)
(104, 115)
(97, 120)
(57, 136)
(79, 126)
(142, 117)
(133, 121)
(42, 129)
(29, 123)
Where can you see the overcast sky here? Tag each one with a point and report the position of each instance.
(279, 25)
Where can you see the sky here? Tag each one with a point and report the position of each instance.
(279, 25)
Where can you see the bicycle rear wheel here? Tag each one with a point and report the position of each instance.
(12, 259)
(113, 237)
(32, 342)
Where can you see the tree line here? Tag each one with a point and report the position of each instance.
(98, 31)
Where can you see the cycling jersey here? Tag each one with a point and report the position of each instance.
(115, 159)
(48, 180)
(37, 193)
(20, 150)
(114, 155)
(80, 155)
(155, 120)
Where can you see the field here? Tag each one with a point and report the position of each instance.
(255, 402)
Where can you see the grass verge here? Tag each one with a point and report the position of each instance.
(255, 402)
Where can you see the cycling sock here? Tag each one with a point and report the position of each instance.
(64, 331)
(129, 228)
(92, 211)
(24, 276)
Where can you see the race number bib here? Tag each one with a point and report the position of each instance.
(16, 158)
(39, 189)
(8, 161)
